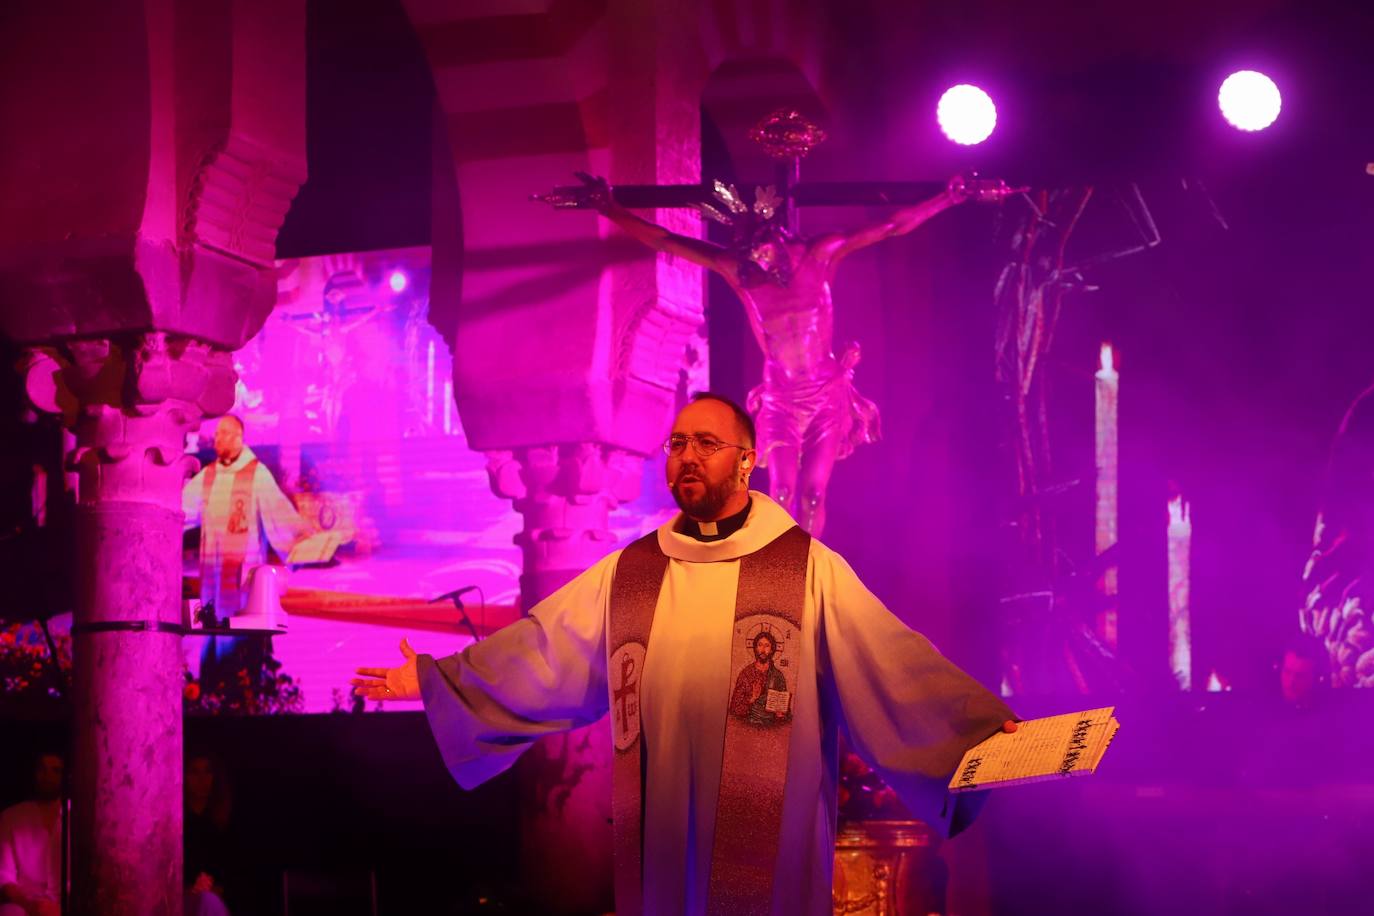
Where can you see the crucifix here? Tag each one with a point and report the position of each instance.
(808, 412)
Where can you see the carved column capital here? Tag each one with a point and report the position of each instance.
(130, 403)
(565, 493)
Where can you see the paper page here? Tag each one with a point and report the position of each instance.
(1048, 748)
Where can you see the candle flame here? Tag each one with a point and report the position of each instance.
(1107, 361)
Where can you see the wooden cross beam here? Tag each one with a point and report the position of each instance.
(787, 137)
(809, 194)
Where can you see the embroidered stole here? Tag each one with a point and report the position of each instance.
(233, 541)
(758, 720)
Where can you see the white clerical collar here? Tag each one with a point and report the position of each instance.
(717, 530)
(238, 463)
(766, 520)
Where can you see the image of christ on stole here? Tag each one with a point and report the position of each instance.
(762, 695)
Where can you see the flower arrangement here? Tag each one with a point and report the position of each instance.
(26, 668)
(238, 692)
(863, 796)
(341, 696)
(27, 673)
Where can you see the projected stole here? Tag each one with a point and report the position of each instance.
(233, 540)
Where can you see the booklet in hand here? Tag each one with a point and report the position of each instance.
(1071, 744)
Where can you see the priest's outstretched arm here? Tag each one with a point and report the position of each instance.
(281, 523)
(543, 674)
(908, 711)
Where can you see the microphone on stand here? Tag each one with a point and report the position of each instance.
(456, 596)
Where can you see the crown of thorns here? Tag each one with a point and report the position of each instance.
(787, 134)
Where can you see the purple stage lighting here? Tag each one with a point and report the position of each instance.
(966, 114)
(1249, 100)
(398, 281)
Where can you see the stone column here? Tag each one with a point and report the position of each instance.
(163, 143)
(565, 494)
(569, 340)
(130, 406)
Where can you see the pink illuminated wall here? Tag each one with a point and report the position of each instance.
(346, 394)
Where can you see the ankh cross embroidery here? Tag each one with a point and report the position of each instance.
(624, 694)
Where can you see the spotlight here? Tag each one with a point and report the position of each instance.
(1249, 100)
(398, 281)
(966, 114)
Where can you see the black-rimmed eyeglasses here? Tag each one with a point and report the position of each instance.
(705, 446)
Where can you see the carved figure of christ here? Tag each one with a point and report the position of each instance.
(808, 412)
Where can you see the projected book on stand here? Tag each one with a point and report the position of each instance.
(316, 550)
(1055, 747)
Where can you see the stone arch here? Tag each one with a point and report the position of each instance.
(528, 95)
(567, 338)
(523, 104)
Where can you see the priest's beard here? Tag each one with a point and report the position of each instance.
(713, 496)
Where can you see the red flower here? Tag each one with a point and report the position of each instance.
(191, 691)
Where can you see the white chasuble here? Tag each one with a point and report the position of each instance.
(908, 711)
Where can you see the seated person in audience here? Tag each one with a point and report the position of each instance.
(210, 859)
(1303, 673)
(31, 845)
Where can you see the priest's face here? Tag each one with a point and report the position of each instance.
(710, 487)
(228, 440)
(47, 778)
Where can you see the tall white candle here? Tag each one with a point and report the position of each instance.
(1108, 386)
(429, 384)
(448, 407)
(1180, 556)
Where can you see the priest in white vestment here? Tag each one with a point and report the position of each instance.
(239, 509)
(905, 709)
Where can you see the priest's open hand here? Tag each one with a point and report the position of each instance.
(401, 683)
